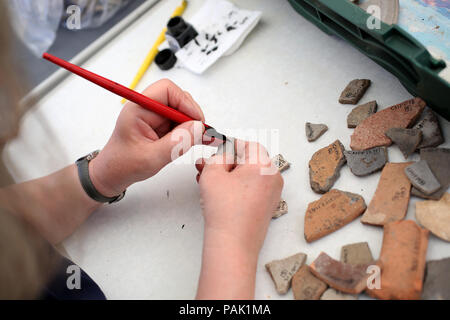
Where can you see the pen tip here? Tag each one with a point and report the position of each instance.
(211, 132)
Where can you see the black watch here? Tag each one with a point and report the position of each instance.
(86, 182)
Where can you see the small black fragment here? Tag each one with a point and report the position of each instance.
(205, 48)
(213, 49)
(229, 28)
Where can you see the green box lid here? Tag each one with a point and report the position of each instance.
(390, 46)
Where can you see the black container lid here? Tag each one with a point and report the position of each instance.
(176, 26)
(165, 59)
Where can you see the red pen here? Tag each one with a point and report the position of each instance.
(138, 98)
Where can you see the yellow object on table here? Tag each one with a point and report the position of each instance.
(154, 50)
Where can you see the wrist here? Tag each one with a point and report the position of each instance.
(232, 242)
(242, 231)
(102, 177)
(228, 269)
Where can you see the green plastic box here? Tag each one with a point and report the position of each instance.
(390, 46)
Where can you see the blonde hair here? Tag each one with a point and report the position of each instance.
(26, 260)
(11, 88)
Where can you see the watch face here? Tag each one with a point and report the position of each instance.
(92, 155)
(120, 197)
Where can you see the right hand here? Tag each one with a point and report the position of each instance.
(239, 200)
(143, 142)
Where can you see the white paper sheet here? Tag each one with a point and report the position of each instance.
(222, 28)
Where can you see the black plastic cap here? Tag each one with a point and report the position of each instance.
(176, 26)
(181, 31)
(165, 59)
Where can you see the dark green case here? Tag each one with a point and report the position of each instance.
(390, 46)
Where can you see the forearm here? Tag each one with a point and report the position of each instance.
(228, 270)
(55, 205)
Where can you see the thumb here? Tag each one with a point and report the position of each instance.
(178, 141)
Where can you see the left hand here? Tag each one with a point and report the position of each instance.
(238, 200)
(143, 142)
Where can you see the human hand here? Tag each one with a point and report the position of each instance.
(238, 202)
(239, 199)
(143, 142)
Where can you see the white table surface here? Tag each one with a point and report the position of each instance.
(287, 72)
